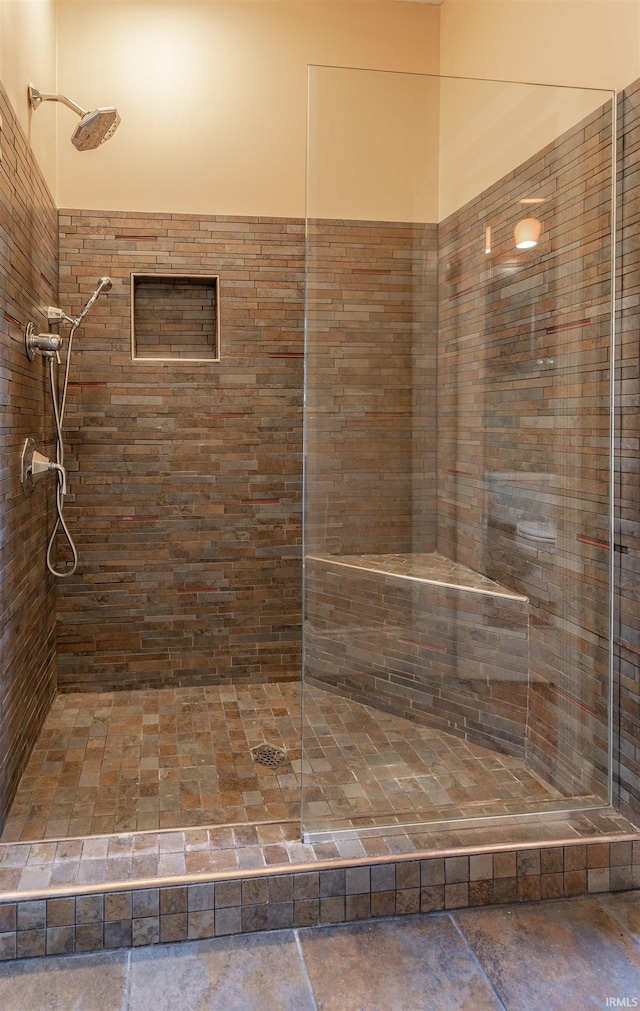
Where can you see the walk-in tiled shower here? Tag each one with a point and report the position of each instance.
(462, 588)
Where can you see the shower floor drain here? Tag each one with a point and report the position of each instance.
(268, 755)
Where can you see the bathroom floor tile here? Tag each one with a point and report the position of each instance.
(624, 908)
(181, 758)
(247, 973)
(553, 956)
(414, 962)
(81, 982)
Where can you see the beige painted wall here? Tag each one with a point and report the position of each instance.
(28, 54)
(373, 145)
(578, 43)
(213, 98)
(487, 130)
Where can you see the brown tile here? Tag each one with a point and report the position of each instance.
(481, 867)
(406, 958)
(145, 902)
(7, 945)
(228, 893)
(280, 888)
(431, 898)
(575, 858)
(552, 860)
(117, 906)
(383, 903)
(333, 883)
(200, 897)
(252, 970)
(254, 891)
(60, 940)
(200, 924)
(598, 879)
(306, 886)
(456, 870)
(117, 934)
(481, 892)
(505, 889)
(528, 862)
(529, 888)
(575, 883)
(228, 920)
(280, 915)
(89, 908)
(30, 943)
(551, 886)
(7, 917)
(431, 872)
(552, 949)
(456, 895)
(306, 912)
(145, 930)
(89, 937)
(173, 927)
(504, 865)
(383, 877)
(598, 855)
(332, 909)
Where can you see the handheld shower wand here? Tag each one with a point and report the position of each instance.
(55, 315)
(59, 399)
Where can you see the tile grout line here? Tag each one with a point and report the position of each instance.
(476, 960)
(304, 969)
(127, 980)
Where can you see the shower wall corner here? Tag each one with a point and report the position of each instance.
(28, 280)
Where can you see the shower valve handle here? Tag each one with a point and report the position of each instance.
(41, 464)
(34, 463)
(46, 343)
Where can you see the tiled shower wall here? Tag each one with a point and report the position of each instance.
(185, 477)
(627, 485)
(28, 281)
(370, 407)
(523, 464)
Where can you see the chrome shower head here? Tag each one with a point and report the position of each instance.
(95, 126)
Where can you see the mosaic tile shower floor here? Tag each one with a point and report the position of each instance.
(179, 758)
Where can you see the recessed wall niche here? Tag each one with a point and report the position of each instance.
(175, 317)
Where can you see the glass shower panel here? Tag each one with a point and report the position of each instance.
(457, 457)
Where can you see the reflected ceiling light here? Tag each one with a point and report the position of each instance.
(527, 233)
(487, 239)
(531, 200)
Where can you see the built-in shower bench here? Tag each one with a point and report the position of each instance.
(421, 636)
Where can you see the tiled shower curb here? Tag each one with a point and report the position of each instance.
(85, 917)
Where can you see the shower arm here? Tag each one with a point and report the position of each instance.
(37, 97)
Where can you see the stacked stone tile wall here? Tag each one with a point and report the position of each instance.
(443, 655)
(185, 477)
(28, 281)
(370, 407)
(523, 428)
(627, 484)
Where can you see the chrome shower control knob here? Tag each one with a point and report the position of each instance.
(46, 343)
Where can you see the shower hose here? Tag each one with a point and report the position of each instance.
(59, 405)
